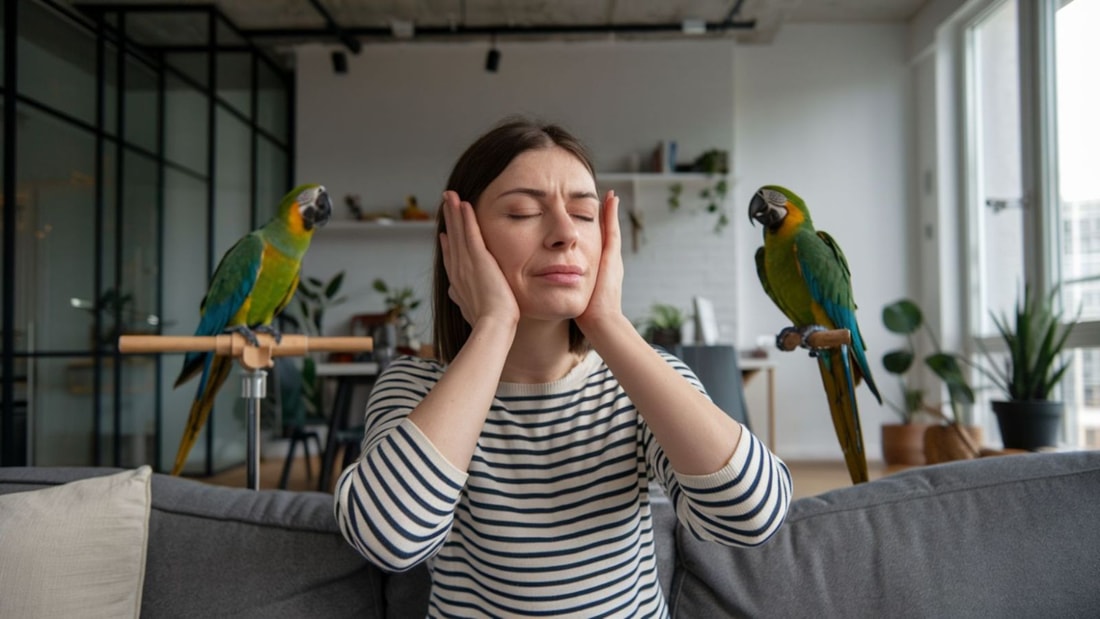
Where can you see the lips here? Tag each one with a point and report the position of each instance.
(561, 274)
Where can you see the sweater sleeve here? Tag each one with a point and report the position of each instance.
(396, 504)
(742, 504)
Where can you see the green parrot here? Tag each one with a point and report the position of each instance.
(806, 275)
(254, 281)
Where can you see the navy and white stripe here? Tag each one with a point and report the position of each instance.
(553, 516)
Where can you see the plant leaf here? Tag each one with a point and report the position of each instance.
(947, 368)
(902, 317)
(334, 285)
(897, 361)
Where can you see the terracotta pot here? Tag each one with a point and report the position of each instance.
(1029, 424)
(945, 443)
(903, 444)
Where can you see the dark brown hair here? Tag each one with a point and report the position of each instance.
(479, 166)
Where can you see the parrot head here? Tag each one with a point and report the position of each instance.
(314, 206)
(773, 206)
(307, 204)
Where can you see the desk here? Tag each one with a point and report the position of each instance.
(751, 366)
(348, 376)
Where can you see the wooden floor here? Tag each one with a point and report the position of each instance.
(810, 478)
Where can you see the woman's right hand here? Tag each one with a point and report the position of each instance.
(478, 286)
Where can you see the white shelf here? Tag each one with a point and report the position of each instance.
(374, 227)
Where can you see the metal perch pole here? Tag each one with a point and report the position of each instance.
(254, 361)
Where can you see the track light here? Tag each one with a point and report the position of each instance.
(492, 59)
(339, 63)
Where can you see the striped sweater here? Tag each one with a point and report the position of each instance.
(553, 516)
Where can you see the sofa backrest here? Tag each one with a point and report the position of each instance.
(1008, 536)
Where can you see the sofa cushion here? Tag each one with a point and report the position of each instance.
(75, 550)
(231, 552)
(996, 537)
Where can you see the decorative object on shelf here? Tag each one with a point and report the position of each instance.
(664, 325)
(1034, 336)
(945, 439)
(412, 211)
(713, 161)
(354, 205)
(400, 303)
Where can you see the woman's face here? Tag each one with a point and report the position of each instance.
(541, 221)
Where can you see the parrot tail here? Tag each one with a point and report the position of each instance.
(192, 364)
(201, 407)
(840, 388)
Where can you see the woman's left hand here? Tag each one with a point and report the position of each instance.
(607, 296)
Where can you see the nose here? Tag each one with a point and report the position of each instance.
(562, 230)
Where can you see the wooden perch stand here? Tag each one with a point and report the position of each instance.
(834, 338)
(253, 359)
(235, 345)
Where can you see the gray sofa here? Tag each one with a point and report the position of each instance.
(1010, 536)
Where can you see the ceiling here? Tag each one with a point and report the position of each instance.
(276, 24)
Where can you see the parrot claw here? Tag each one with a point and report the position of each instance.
(246, 333)
(806, 332)
(271, 330)
(781, 338)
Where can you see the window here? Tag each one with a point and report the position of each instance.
(1032, 123)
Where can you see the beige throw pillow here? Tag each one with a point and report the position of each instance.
(75, 550)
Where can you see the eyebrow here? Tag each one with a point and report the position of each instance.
(538, 193)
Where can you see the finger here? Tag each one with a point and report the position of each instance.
(471, 228)
(455, 233)
(612, 231)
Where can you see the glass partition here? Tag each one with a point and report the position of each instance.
(55, 297)
(132, 243)
(235, 81)
(56, 61)
(186, 125)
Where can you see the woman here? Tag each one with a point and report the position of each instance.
(519, 464)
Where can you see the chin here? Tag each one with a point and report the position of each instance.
(554, 311)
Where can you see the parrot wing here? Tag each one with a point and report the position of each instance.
(829, 279)
(762, 273)
(233, 281)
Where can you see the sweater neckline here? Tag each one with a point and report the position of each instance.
(572, 379)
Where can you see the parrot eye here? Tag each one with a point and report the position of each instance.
(774, 197)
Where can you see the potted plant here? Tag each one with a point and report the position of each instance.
(664, 325)
(1034, 337)
(400, 303)
(907, 443)
(313, 297)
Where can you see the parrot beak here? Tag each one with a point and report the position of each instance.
(768, 214)
(316, 212)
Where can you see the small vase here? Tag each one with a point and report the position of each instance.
(1029, 424)
(945, 443)
(903, 444)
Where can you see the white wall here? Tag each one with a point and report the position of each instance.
(824, 110)
(396, 122)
